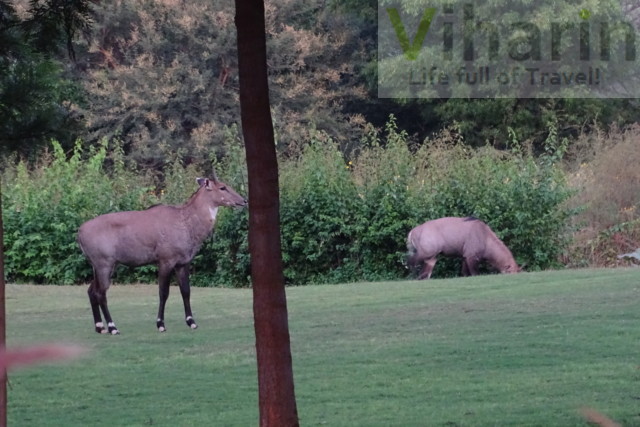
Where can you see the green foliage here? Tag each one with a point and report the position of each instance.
(44, 204)
(163, 75)
(490, 121)
(319, 203)
(53, 24)
(224, 258)
(37, 100)
(342, 220)
(519, 196)
(384, 171)
(348, 220)
(484, 113)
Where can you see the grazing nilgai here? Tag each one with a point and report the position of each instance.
(169, 236)
(468, 238)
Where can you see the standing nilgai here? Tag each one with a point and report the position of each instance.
(169, 236)
(468, 238)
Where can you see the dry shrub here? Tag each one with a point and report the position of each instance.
(604, 173)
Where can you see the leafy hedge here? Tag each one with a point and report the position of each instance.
(347, 220)
(342, 220)
(43, 205)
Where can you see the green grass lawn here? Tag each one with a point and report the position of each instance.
(509, 350)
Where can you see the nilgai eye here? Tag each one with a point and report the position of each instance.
(223, 188)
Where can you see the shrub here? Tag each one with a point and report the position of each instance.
(520, 197)
(45, 203)
(603, 173)
(341, 220)
(383, 172)
(224, 258)
(348, 220)
(318, 202)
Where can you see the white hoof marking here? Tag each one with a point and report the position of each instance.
(194, 326)
(162, 329)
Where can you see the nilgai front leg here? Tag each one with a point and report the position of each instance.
(164, 278)
(470, 266)
(427, 269)
(182, 273)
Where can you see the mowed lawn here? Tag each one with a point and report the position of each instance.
(500, 350)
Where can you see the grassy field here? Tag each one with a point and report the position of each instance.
(510, 350)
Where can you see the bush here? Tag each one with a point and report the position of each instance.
(348, 220)
(341, 220)
(603, 171)
(383, 171)
(45, 203)
(318, 202)
(519, 196)
(224, 258)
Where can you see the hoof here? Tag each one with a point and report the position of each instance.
(162, 329)
(100, 328)
(191, 323)
(160, 325)
(112, 329)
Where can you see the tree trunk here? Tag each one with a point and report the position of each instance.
(3, 323)
(275, 372)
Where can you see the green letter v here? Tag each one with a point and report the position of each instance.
(411, 51)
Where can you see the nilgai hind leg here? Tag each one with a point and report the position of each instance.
(98, 298)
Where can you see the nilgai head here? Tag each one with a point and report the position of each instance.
(220, 194)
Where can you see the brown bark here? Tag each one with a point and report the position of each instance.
(275, 373)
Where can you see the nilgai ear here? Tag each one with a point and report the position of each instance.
(201, 181)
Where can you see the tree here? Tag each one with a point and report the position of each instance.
(163, 76)
(3, 324)
(275, 373)
(36, 97)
